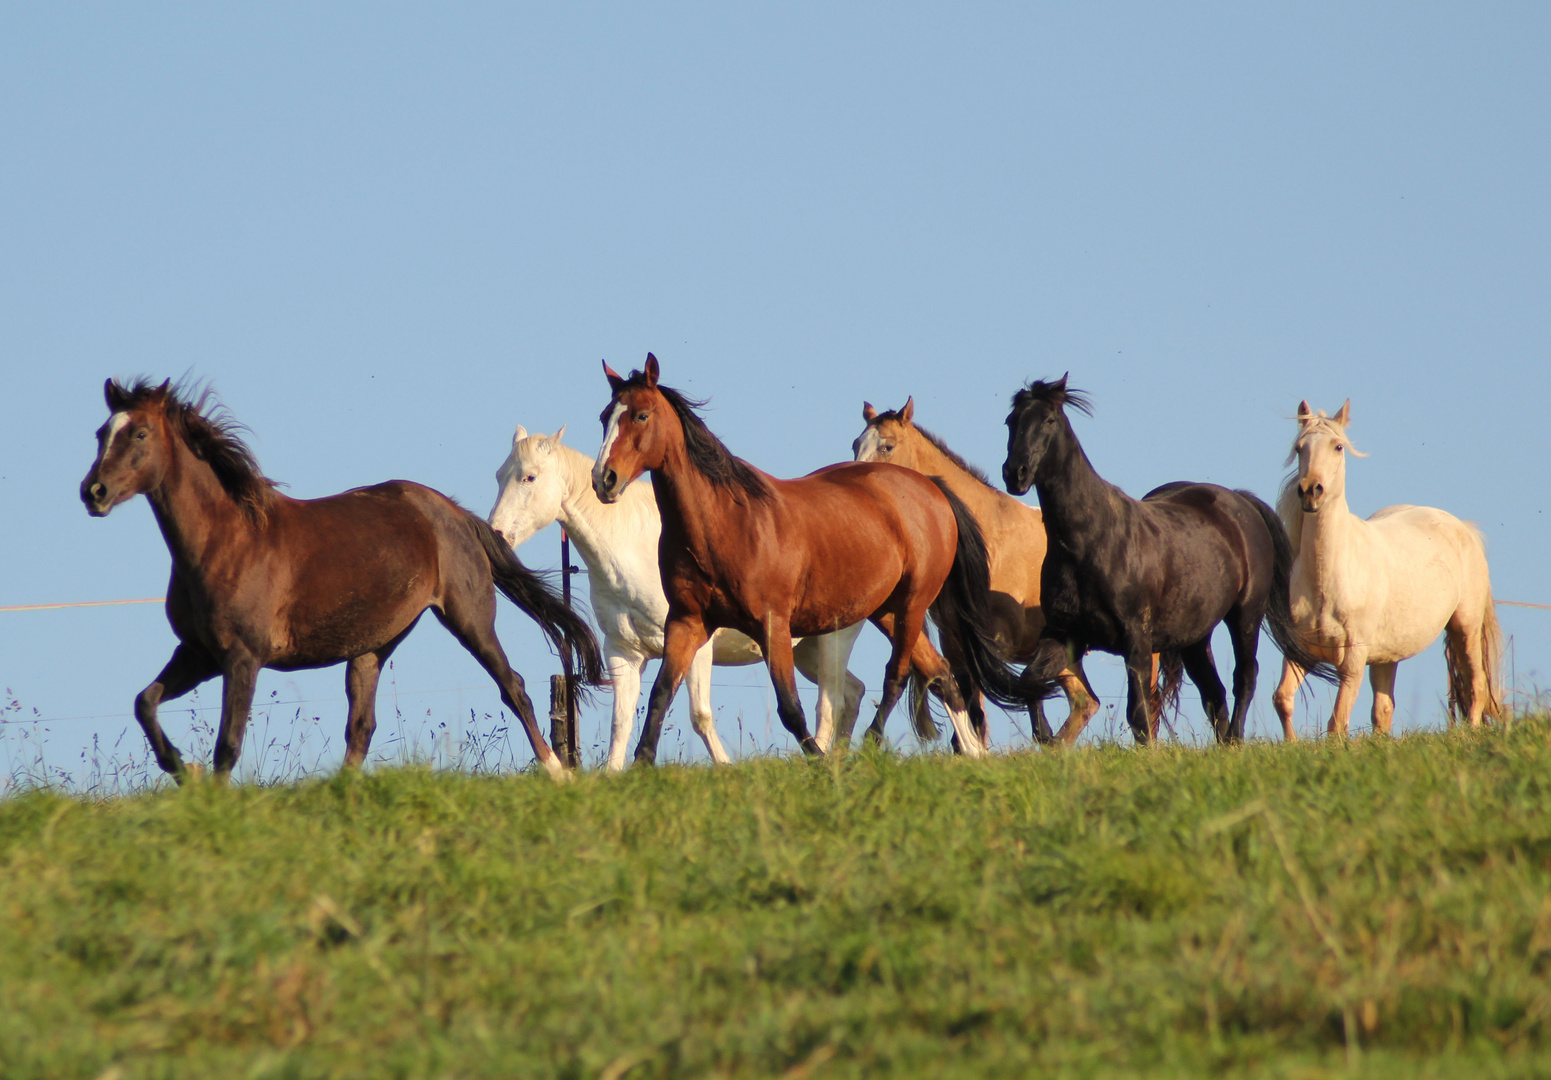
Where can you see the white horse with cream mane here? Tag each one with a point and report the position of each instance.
(1373, 593)
(543, 481)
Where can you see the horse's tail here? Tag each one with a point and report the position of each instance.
(1279, 620)
(1460, 688)
(919, 699)
(1165, 688)
(533, 595)
(962, 610)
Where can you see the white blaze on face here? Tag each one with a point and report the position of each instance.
(116, 423)
(867, 445)
(610, 433)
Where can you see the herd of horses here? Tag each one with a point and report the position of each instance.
(717, 562)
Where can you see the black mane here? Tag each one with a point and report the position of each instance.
(706, 452)
(211, 434)
(1055, 393)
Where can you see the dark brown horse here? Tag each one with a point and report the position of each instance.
(773, 558)
(262, 580)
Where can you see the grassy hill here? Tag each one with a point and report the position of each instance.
(1375, 908)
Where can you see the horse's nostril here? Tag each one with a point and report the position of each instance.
(99, 490)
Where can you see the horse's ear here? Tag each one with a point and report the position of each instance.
(651, 370)
(909, 410)
(520, 434)
(556, 436)
(161, 391)
(115, 395)
(1344, 417)
(1305, 414)
(869, 414)
(616, 380)
(1059, 386)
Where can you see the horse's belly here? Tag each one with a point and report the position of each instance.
(733, 648)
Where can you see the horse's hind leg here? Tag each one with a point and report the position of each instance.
(186, 669)
(625, 681)
(1382, 678)
(1202, 669)
(471, 620)
(1081, 701)
(1245, 633)
(700, 715)
(1466, 642)
(823, 659)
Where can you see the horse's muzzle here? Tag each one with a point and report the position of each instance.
(1015, 479)
(1309, 497)
(94, 493)
(605, 485)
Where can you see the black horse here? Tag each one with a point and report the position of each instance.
(1157, 575)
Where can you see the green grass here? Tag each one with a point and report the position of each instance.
(1376, 909)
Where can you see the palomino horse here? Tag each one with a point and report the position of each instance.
(1152, 576)
(1373, 593)
(261, 580)
(543, 481)
(773, 558)
(1015, 542)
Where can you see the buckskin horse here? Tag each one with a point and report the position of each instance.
(263, 580)
(1155, 575)
(773, 558)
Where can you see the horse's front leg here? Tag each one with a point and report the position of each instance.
(783, 676)
(1285, 698)
(241, 678)
(1139, 683)
(187, 669)
(1350, 671)
(684, 636)
(1081, 701)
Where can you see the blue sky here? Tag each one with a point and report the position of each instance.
(387, 234)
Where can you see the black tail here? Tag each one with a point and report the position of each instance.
(533, 595)
(963, 611)
(1279, 620)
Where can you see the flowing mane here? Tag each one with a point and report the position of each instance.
(211, 434)
(706, 452)
(1056, 393)
(947, 452)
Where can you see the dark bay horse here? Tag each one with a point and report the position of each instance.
(262, 580)
(1156, 575)
(773, 558)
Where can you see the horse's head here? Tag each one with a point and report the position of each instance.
(133, 447)
(887, 434)
(1037, 425)
(530, 486)
(637, 428)
(1321, 449)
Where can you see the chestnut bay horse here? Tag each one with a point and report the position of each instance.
(1155, 575)
(262, 580)
(773, 558)
(1015, 542)
(543, 481)
(1373, 593)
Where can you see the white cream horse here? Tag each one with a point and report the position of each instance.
(1373, 593)
(543, 481)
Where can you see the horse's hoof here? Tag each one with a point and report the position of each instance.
(189, 772)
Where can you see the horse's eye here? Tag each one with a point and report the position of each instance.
(529, 479)
(1050, 419)
(886, 448)
(142, 434)
(1339, 448)
(640, 417)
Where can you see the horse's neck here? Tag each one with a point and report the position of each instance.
(1326, 537)
(193, 509)
(614, 541)
(983, 502)
(1079, 505)
(692, 508)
